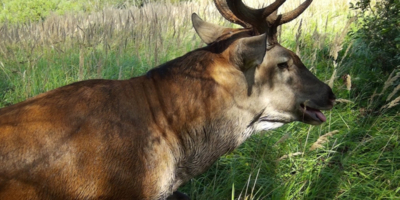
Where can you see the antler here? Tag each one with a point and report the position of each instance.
(261, 20)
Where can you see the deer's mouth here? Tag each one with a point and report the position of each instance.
(312, 115)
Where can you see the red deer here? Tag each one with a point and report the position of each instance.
(144, 137)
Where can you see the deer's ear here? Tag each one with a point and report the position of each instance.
(250, 51)
(208, 32)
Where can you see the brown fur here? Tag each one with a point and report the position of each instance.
(142, 138)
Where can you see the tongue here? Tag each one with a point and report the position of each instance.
(321, 116)
(317, 113)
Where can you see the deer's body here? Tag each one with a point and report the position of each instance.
(112, 139)
(142, 138)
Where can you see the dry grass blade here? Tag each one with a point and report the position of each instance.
(397, 88)
(4, 70)
(282, 139)
(343, 101)
(346, 52)
(390, 81)
(371, 99)
(391, 104)
(337, 47)
(348, 82)
(322, 140)
(339, 40)
(255, 181)
(81, 64)
(333, 77)
(298, 36)
(290, 155)
(393, 77)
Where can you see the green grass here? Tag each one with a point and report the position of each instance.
(360, 161)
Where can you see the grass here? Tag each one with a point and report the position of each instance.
(355, 155)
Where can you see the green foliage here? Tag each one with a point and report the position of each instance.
(69, 6)
(23, 11)
(375, 53)
(379, 29)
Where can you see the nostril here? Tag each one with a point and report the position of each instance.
(332, 97)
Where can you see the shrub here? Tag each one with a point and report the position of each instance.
(379, 29)
(374, 61)
(14, 11)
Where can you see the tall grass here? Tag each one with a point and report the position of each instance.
(355, 155)
(114, 43)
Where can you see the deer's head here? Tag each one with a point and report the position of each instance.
(280, 87)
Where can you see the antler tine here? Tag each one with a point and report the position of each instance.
(237, 12)
(225, 7)
(289, 16)
(272, 8)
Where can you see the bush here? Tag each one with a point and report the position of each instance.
(14, 11)
(374, 61)
(379, 29)
(69, 6)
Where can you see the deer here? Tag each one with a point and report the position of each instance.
(144, 137)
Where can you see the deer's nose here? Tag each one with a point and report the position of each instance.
(332, 96)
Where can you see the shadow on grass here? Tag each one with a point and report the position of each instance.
(326, 183)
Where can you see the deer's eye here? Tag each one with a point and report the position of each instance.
(283, 65)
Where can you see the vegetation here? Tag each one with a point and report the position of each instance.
(355, 155)
(379, 27)
(377, 47)
(23, 11)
